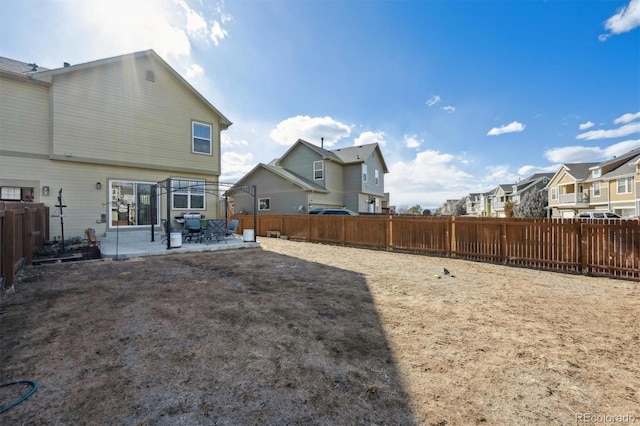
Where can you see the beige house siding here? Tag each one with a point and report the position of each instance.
(334, 176)
(78, 181)
(124, 119)
(24, 117)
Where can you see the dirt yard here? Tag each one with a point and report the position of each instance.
(302, 333)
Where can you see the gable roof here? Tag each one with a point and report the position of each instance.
(628, 168)
(359, 154)
(303, 183)
(348, 155)
(579, 171)
(46, 75)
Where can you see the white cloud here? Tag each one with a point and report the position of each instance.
(193, 71)
(529, 170)
(235, 166)
(411, 141)
(587, 125)
(584, 154)
(310, 129)
(499, 174)
(433, 100)
(370, 137)
(627, 129)
(449, 108)
(217, 32)
(227, 142)
(627, 118)
(625, 19)
(512, 127)
(428, 179)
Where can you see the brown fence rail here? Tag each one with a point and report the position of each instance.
(596, 247)
(23, 229)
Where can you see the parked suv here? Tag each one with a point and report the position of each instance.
(333, 211)
(598, 215)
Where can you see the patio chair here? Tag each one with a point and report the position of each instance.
(216, 230)
(192, 229)
(233, 228)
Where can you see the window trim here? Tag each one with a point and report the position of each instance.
(321, 170)
(364, 173)
(268, 204)
(376, 177)
(628, 183)
(554, 193)
(597, 190)
(11, 193)
(194, 137)
(192, 183)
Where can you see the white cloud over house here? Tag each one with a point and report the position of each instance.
(625, 130)
(310, 129)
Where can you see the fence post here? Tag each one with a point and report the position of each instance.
(390, 233)
(453, 247)
(503, 242)
(27, 236)
(9, 258)
(585, 248)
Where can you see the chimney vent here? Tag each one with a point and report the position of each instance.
(322, 143)
(67, 64)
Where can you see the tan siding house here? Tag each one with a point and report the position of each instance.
(105, 132)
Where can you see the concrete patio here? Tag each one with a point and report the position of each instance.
(129, 244)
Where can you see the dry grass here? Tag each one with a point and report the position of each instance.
(301, 333)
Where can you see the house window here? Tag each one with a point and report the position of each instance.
(10, 193)
(624, 185)
(596, 189)
(364, 173)
(554, 193)
(376, 175)
(201, 136)
(318, 170)
(187, 194)
(264, 204)
(131, 204)
(596, 173)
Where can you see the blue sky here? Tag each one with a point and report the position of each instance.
(461, 95)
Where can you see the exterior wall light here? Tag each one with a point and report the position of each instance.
(45, 190)
(98, 185)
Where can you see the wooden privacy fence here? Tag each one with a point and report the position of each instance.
(585, 246)
(23, 229)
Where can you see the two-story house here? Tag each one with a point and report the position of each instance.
(105, 132)
(308, 176)
(569, 189)
(613, 184)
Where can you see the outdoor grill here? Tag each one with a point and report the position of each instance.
(191, 215)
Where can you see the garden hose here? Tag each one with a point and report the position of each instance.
(34, 386)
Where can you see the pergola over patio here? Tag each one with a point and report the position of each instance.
(222, 190)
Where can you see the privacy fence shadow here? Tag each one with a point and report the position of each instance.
(597, 247)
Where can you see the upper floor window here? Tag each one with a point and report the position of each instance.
(624, 185)
(187, 194)
(364, 173)
(264, 203)
(201, 137)
(596, 173)
(596, 189)
(554, 193)
(318, 170)
(376, 176)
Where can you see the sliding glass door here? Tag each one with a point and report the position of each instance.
(130, 203)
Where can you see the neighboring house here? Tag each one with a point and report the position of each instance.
(614, 185)
(485, 202)
(472, 204)
(105, 132)
(499, 198)
(449, 207)
(610, 185)
(308, 176)
(569, 191)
